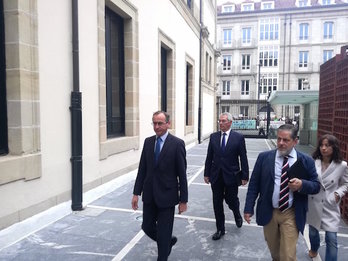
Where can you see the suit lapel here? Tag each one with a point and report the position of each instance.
(152, 148)
(272, 158)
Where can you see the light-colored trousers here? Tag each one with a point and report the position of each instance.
(281, 235)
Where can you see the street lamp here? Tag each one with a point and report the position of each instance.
(268, 113)
(259, 90)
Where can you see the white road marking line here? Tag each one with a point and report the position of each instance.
(140, 234)
(129, 246)
(269, 147)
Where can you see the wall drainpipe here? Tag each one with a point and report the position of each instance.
(76, 118)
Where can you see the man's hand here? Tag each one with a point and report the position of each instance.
(182, 207)
(247, 217)
(295, 184)
(244, 182)
(206, 180)
(135, 202)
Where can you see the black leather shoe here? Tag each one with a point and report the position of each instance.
(172, 243)
(239, 222)
(218, 235)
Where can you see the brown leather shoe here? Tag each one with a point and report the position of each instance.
(312, 254)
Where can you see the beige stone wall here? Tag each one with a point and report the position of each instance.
(23, 97)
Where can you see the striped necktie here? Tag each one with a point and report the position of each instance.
(284, 187)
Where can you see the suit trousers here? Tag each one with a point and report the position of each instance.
(281, 235)
(222, 191)
(158, 225)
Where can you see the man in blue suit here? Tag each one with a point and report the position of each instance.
(162, 182)
(281, 220)
(225, 150)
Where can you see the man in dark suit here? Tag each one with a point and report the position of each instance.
(162, 181)
(282, 202)
(226, 150)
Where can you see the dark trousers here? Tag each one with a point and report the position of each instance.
(220, 192)
(158, 225)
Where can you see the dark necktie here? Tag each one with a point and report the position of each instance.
(223, 142)
(284, 187)
(157, 149)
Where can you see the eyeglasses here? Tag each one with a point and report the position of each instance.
(159, 123)
(222, 121)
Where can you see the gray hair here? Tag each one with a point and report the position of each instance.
(229, 116)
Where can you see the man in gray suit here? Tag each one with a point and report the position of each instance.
(225, 150)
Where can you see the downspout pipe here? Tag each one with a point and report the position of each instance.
(200, 76)
(76, 117)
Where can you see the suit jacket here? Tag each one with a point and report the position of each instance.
(165, 182)
(261, 187)
(227, 161)
(323, 211)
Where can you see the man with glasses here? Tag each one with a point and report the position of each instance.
(162, 181)
(282, 200)
(225, 158)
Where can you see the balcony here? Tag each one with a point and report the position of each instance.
(308, 69)
(236, 95)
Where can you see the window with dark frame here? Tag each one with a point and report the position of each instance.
(187, 109)
(115, 80)
(164, 87)
(190, 4)
(3, 104)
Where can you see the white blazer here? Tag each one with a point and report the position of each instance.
(323, 211)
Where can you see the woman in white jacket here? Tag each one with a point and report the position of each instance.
(323, 208)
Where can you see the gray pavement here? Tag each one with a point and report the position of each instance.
(108, 229)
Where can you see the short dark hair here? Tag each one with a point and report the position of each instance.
(160, 112)
(289, 127)
(334, 143)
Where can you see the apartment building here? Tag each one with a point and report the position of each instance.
(79, 81)
(275, 45)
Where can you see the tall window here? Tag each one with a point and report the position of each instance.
(327, 55)
(246, 35)
(268, 56)
(164, 88)
(227, 62)
(228, 8)
(247, 7)
(302, 3)
(301, 84)
(303, 59)
(244, 110)
(225, 108)
(189, 95)
(227, 36)
(3, 104)
(190, 4)
(269, 29)
(267, 5)
(115, 91)
(245, 87)
(326, 2)
(226, 87)
(328, 30)
(245, 61)
(304, 31)
(269, 83)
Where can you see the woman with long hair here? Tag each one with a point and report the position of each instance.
(323, 208)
